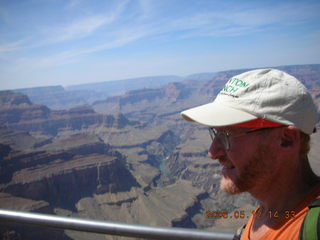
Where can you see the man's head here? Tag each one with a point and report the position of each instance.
(257, 121)
(266, 94)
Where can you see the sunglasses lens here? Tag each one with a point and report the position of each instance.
(221, 137)
(224, 141)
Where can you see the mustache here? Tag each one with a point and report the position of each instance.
(222, 160)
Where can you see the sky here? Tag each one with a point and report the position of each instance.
(69, 42)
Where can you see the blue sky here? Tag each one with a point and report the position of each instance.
(67, 42)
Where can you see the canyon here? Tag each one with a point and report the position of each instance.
(126, 158)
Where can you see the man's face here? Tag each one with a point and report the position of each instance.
(247, 165)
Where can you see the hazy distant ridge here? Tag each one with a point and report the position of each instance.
(122, 86)
(57, 97)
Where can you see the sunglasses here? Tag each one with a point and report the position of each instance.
(224, 137)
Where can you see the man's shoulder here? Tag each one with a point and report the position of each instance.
(293, 221)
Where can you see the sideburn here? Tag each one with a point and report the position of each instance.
(257, 171)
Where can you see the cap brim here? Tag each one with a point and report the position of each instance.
(216, 115)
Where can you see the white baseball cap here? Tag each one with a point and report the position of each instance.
(268, 94)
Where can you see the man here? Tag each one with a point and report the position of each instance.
(260, 124)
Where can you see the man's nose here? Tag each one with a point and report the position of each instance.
(216, 150)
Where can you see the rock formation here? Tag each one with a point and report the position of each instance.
(18, 113)
(129, 158)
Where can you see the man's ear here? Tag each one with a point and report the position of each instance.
(290, 137)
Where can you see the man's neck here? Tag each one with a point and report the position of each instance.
(280, 199)
(285, 191)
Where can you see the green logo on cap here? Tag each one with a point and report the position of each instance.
(234, 84)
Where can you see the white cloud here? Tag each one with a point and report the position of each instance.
(120, 38)
(78, 29)
(13, 46)
(125, 24)
(72, 3)
(71, 31)
(84, 27)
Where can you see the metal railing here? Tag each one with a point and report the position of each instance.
(111, 228)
